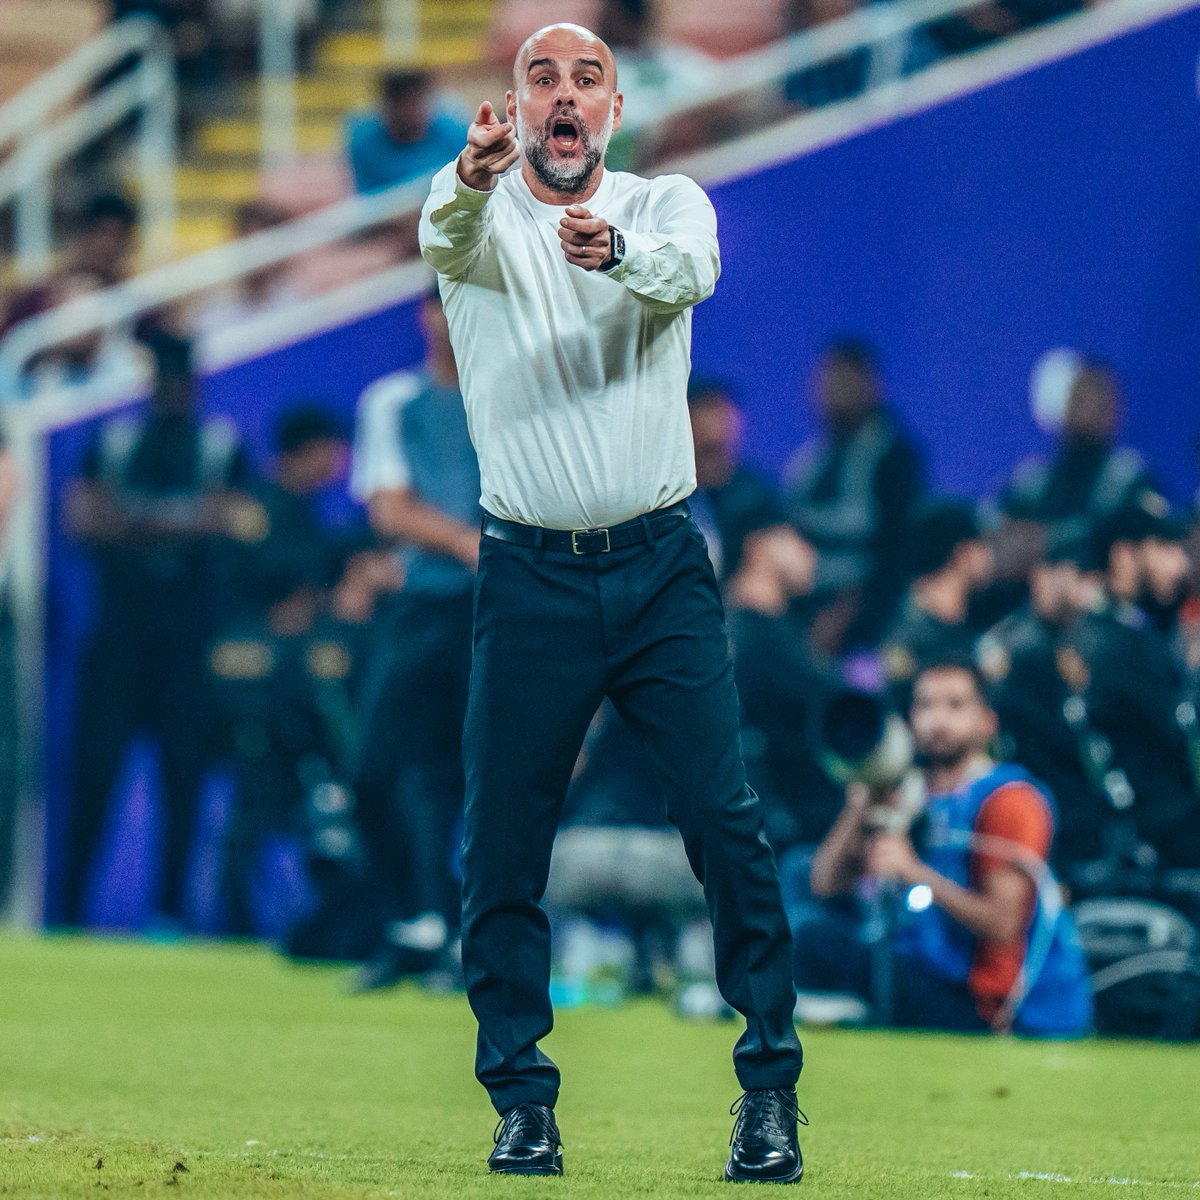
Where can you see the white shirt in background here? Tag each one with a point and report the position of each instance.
(575, 381)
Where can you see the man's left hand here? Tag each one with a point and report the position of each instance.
(586, 240)
(891, 856)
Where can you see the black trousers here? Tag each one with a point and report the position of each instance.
(409, 778)
(554, 634)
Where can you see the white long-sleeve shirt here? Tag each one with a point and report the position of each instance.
(575, 381)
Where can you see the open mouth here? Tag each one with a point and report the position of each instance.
(564, 133)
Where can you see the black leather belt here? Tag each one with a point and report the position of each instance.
(586, 541)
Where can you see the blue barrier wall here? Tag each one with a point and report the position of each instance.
(1058, 208)
(1061, 207)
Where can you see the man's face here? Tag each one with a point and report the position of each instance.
(950, 721)
(406, 116)
(1165, 570)
(319, 463)
(715, 430)
(565, 105)
(845, 394)
(104, 248)
(1092, 408)
(1054, 591)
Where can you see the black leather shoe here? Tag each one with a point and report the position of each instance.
(527, 1142)
(765, 1145)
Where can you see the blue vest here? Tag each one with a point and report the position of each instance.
(1052, 996)
(445, 473)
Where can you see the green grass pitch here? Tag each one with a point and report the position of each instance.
(262, 1079)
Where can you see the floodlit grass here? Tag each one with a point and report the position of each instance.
(261, 1079)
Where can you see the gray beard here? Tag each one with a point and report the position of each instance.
(564, 177)
(568, 179)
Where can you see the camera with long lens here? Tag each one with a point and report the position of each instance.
(861, 740)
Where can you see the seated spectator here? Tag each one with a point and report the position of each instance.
(851, 489)
(978, 936)
(406, 138)
(731, 500)
(950, 562)
(101, 252)
(256, 293)
(1090, 477)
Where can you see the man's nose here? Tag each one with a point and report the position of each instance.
(566, 93)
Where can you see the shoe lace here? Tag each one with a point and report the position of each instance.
(535, 1118)
(771, 1111)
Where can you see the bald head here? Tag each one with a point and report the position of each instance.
(565, 107)
(560, 40)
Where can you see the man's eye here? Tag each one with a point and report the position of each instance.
(587, 81)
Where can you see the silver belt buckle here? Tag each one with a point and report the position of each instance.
(576, 533)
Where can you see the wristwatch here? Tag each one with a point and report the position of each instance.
(617, 255)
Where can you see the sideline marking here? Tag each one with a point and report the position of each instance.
(1108, 1181)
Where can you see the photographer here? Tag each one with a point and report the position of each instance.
(977, 937)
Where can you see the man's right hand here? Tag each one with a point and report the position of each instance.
(491, 149)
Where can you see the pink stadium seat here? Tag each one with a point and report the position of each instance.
(718, 27)
(308, 184)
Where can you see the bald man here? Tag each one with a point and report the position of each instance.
(569, 291)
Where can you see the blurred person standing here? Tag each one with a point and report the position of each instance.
(1090, 477)
(950, 562)
(851, 490)
(1131, 678)
(416, 470)
(151, 508)
(572, 326)
(407, 137)
(1020, 656)
(731, 500)
(271, 665)
(782, 682)
(981, 940)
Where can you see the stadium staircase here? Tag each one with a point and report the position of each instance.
(221, 165)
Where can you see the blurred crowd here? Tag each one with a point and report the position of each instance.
(324, 664)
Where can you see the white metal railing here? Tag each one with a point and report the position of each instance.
(122, 304)
(44, 137)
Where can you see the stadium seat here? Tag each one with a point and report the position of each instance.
(719, 28)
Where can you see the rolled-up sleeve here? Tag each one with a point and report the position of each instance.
(455, 223)
(676, 264)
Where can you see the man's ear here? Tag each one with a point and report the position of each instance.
(510, 107)
(618, 104)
